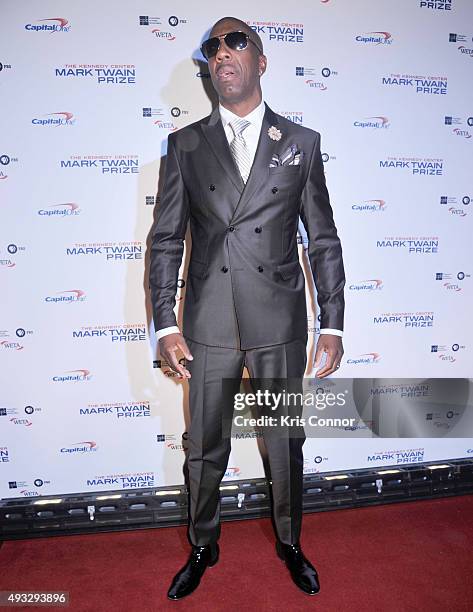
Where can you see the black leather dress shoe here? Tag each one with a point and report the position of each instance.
(303, 573)
(188, 578)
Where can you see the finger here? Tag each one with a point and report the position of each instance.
(330, 365)
(175, 365)
(184, 372)
(185, 349)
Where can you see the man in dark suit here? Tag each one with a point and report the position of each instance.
(242, 177)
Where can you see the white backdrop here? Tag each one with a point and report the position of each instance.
(89, 93)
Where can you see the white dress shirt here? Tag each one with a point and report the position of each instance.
(251, 136)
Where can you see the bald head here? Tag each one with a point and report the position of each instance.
(233, 23)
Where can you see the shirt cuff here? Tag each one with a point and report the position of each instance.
(334, 332)
(166, 331)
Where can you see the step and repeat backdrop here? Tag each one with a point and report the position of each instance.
(89, 93)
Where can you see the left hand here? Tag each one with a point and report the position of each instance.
(332, 345)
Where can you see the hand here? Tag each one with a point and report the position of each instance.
(332, 345)
(168, 346)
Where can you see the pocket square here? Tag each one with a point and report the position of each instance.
(292, 156)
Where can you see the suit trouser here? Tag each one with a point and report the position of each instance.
(209, 450)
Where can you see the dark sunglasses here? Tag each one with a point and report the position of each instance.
(237, 41)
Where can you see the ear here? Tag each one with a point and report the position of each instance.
(262, 63)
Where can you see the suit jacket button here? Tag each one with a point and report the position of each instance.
(231, 228)
(258, 230)
(274, 189)
(212, 187)
(224, 269)
(260, 268)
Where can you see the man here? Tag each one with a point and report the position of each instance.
(243, 176)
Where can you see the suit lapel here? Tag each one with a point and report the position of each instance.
(215, 136)
(264, 151)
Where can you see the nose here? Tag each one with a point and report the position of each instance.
(223, 52)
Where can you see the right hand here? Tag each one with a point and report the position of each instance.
(168, 346)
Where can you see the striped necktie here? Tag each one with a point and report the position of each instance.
(239, 149)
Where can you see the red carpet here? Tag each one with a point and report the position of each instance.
(403, 557)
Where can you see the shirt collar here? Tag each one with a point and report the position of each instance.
(255, 117)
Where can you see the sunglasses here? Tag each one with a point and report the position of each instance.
(237, 41)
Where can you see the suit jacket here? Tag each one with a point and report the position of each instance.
(245, 287)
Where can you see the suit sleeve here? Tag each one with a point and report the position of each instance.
(167, 241)
(324, 251)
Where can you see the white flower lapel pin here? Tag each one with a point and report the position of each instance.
(274, 133)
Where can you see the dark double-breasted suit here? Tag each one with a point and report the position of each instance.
(245, 298)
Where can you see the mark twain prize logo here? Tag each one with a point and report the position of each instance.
(370, 206)
(368, 285)
(294, 116)
(414, 165)
(159, 32)
(279, 31)
(466, 50)
(431, 85)
(69, 296)
(314, 81)
(54, 119)
(51, 25)
(402, 390)
(105, 164)
(438, 5)
(375, 38)
(313, 324)
(374, 123)
(452, 282)
(411, 244)
(119, 410)
(80, 448)
(447, 353)
(111, 251)
(127, 332)
(67, 209)
(456, 206)
(104, 74)
(396, 457)
(129, 480)
(461, 126)
(411, 320)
